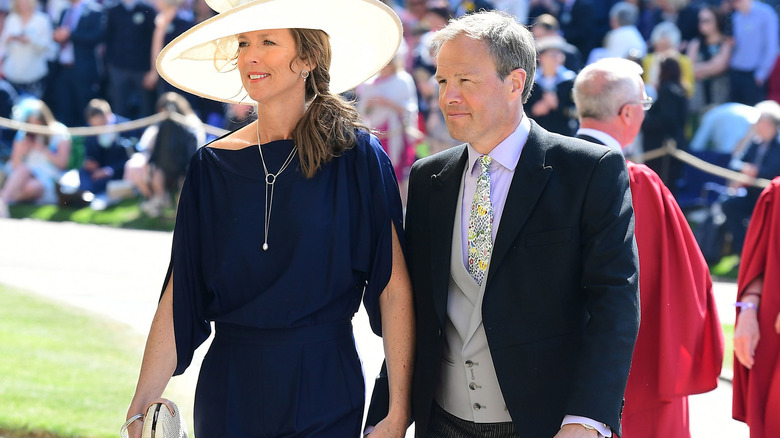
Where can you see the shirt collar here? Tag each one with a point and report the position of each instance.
(602, 137)
(508, 151)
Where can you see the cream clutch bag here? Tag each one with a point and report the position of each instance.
(159, 423)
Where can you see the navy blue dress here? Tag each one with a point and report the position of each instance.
(283, 361)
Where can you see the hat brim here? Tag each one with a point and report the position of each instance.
(364, 37)
(551, 43)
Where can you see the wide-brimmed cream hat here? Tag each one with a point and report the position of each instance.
(364, 36)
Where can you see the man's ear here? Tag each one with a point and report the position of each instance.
(625, 114)
(517, 79)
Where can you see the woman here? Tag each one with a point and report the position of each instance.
(37, 160)
(665, 40)
(710, 53)
(26, 42)
(757, 330)
(550, 103)
(281, 278)
(170, 22)
(388, 103)
(160, 164)
(665, 120)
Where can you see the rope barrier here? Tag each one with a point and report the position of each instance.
(670, 148)
(115, 128)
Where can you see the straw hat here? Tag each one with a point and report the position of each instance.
(550, 42)
(364, 36)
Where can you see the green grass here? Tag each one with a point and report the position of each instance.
(727, 267)
(125, 214)
(728, 355)
(63, 372)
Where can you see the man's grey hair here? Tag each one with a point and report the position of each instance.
(510, 44)
(603, 87)
(770, 110)
(625, 13)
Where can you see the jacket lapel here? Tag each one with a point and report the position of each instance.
(531, 175)
(445, 187)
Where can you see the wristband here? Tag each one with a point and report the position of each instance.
(746, 305)
(123, 430)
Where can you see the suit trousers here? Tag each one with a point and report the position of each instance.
(445, 425)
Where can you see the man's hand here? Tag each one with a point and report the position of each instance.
(750, 170)
(61, 35)
(574, 430)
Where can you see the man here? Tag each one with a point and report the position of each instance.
(754, 25)
(624, 39)
(75, 78)
(522, 257)
(679, 350)
(129, 28)
(577, 19)
(723, 127)
(105, 155)
(760, 159)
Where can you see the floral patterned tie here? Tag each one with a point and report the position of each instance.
(480, 243)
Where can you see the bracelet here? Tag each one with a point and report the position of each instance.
(746, 305)
(587, 426)
(757, 294)
(123, 430)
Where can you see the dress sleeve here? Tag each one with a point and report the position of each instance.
(189, 290)
(379, 186)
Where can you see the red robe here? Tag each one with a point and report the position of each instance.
(757, 391)
(679, 350)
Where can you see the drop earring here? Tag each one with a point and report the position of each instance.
(304, 74)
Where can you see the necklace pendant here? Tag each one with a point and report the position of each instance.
(265, 247)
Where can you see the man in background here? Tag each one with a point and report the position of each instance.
(679, 350)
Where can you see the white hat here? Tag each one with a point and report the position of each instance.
(364, 36)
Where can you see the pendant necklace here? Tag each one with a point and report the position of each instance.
(270, 182)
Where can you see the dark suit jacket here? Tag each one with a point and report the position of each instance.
(561, 309)
(85, 37)
(770, 165)
(577, 25)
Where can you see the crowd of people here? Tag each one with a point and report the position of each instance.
(636, 77)
(466, 110)
(700, 57)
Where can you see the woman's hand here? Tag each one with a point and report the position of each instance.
(389, 428)
(777, 324)
(746, 337)
(135, 429)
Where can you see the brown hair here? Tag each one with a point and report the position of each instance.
(327, 128)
